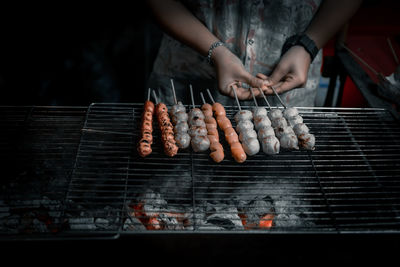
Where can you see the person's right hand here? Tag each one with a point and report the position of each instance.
(231, 73)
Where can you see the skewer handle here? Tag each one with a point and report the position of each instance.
(155, 96)
(236, 97)
(202, 97)
(254, 98)
(191, 95)
(210, 95)
(277, 95)
(393, 52)
(173, 91)
(265, 98)
(148, 94)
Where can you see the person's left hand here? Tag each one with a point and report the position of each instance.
(291, 71)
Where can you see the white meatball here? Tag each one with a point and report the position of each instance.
(260, 122)
(279, 122)
(244, 125)
(196, 112)
(259, 111)
(197, 121)
(200, 143)
(181, 127)
(177, 108)
(289, 141)
(244, 135)
(290, 112)
(251, 146)
(265, 131)
(270, 145)
(197, 131)
(243, 115)
(182, 140)
(295, 120)
(307, 141)
(279, 132)
(300, 128)
(274, 114)
(179, 116)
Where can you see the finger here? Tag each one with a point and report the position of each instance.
(262, 76)
(277, 75)
(289, 84)
(253, 81)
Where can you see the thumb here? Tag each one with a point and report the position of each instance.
(277, 75)
(253, 81)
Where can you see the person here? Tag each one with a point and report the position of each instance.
(259, 43)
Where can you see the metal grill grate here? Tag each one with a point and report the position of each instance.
(350, 183)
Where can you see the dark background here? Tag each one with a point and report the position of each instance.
(74, 55)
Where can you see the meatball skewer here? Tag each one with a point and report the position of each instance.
(197, 127)
(179, 119)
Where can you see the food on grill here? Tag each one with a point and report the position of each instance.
(244, 125)
(250, 133)
(264, 132)
(179, 119)
(251, 146)
(279, 123)
(300, 128)
(291, 112)
(259, 111)
(275, 114)
(198, 130)
(217, 151)
(200, 143)
(243, 115)
(295, 120)
(289, 141)
(231, 136)
(261, 121)
(307, 141)
(279, 132)
(270, 145)
(144, 145)
(167, 130)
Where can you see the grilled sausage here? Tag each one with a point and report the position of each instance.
(217, 151)
(231, 136)
(167, 131)
(144, 145)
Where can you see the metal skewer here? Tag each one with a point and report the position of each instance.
(202, 98)
(102, 131)
(148, 94)
(173, 91)
(210, 95)
(155, 96)
(236, 97)
(254, 98)
(277, 95)
(191, 95)
(265, 98)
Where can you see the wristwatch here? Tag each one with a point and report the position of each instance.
(302, 40)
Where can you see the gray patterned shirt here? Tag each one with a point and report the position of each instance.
(254, 30)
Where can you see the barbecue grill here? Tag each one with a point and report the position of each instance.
(74, 172)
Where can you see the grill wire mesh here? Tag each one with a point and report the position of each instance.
(350, 183)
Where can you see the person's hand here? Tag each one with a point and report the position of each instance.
(291, 71)
(231, 73)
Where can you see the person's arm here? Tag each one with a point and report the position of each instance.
(181, 24)
(292, 69)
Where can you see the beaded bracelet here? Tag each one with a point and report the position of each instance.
(212, 47)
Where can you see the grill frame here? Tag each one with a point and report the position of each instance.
(316, 160)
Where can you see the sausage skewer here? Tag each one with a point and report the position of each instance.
(217, 151)
(245, 128)
(231, 136)
(167, 132)
(146, 140)
(197, 130)
(179, 119)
